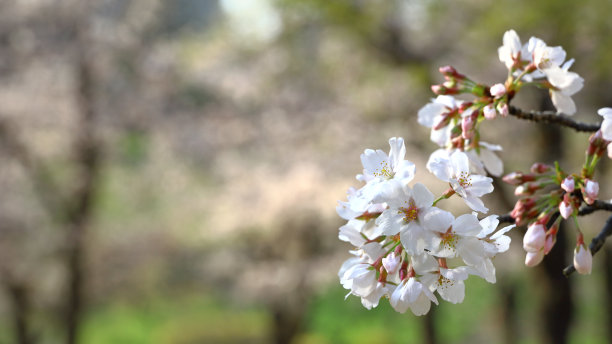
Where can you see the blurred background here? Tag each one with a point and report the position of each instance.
(170, 169)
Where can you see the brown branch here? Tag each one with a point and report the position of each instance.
(552, 117)
(595, 245)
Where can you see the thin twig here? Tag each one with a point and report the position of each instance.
(597, 205)
(595, 245)
(552, 117)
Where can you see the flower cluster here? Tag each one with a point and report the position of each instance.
(406, 248)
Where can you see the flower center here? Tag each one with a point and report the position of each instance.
(444, 282)
(411, 213)
(449, 240)
(384, 171)
(464, 179)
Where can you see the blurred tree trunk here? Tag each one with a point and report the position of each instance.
(608, 287)
(557, 304)
(80, 206)
(429, 327)
(20, 309)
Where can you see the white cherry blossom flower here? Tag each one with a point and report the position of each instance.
(512, 50)
(411, 293)
(391, 262)
(606, 125)
(371, 300)
(456, 171)
(434, 115)
(566, 84)
(378, 168)
(406, 213)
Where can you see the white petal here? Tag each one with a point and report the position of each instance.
(428, 112)
(422, 196)
(439, 164)
(480, 185)
(421, 305)
(563, 103)
(476, 204)
(405, 171)
(460, 163)
(438, 220)
(492, 162)
(351, 234)
(453, 293)
(488, 224)
(424, 263)
(397, 151)
(373, 160)
(467, 224)
(412, 238)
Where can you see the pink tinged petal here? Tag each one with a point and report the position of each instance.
(568, 184)
(583, 260)
(498, 90)
(476, 204)
(489, 112)
(422, 196)
(438, 220)
(534, 258)
(467, 225)
(591, 189)
(534, 238)
(565, 209)
(391, 262)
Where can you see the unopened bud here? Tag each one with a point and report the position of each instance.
(597, 144)
(534, 238)
(442, 90)
(540, 168)
(391, 262)
(550, 242)
(467, 127)
(517, 178)
(503, 109)
(583, 259)
(590, 190)
(568, 184)
(565, 207)
(451, 72)
(489, 112)
(498, 90)
(534, 258)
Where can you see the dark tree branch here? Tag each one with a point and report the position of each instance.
(597, 205)
(552, 117)
(595, 245)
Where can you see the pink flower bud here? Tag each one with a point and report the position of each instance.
(550, 242)
(498, 90)
(534, 238)
(583, 259)
(568, 184)
(489, 112)
(590, 191)
(467, 127)
(534, 258)
(503, 109)
(391, 262)
(540, 168)
(516, 178)
(566, 210)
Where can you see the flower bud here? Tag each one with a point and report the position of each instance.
(451, 72)
(590, 190)
(540, 168)
(550, 242)
(467, 126)
(534, 258)
(568, 184)
(498, 90)
(503, 109)
(442, 90)
(489, 112)
(391, 262)
(534, 238)
(583, 259)
(516, 178)
(565, 207)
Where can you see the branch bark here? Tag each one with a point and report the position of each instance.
(554, 118)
